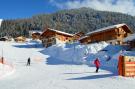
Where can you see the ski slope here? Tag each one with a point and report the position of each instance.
(46, 72)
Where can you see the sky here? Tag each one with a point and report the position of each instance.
(11, 9)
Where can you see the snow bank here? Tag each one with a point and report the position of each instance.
(80, 54)
(74, 52)
(5, 70)
(130, 38)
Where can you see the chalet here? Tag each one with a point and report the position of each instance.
(4, 39)
(130, 40)
(35, 34)
(112, 34)
(20, 39)
(78, 35)
(50, 37)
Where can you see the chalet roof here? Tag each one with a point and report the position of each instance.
(79, 34)
(6, 38)
(35, 31)
(107, 28)
(57, 31)
(83, 37)
(130, 38)
(104, 29)
(20, 37)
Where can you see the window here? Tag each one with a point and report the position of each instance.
(110, 42)
(118, 35)
(118, 42)
(66, 38)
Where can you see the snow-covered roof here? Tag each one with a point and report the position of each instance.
(59, 32)
(130, 38)
(106, 28)
(35, 31)
(83, 37)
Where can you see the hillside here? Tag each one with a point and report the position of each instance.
(83, 19)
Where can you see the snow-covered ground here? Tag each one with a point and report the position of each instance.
(6, 70)
(56, 72)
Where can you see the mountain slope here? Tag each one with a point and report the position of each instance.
(74, 20)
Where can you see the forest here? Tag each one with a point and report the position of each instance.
(71, 21)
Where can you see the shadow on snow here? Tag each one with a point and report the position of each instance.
(93, 77)
(54, 61)
(29, 46)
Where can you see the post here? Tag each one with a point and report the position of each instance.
(2, 59)
(120, 65)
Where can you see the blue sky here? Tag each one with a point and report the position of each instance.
(24, 8)
(10, 9)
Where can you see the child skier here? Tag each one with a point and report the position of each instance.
(97, 64)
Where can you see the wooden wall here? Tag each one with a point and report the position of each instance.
(63, 38)
(51, 38)
(129, 66)
(35, 36)
(116, 35)
(20, 39)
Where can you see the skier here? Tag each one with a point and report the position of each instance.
(97, 64)
(28, 61)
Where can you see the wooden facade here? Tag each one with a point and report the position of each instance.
(50, 37)
(36, 36)
(78, 35)
(126, 66)
(20, 39)
(112, 34)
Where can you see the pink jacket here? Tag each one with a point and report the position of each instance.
(97, 63)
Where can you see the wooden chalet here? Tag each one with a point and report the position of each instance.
(36, 36)
(50, 37)
(78, 35)
(111, 34)
(130, 40)
(3, 39)
(20, 39)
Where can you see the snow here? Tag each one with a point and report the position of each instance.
(5, 70)
(83, 37)
(50, 68)
(35, 31)
(130, 38)
(73, 52)
(60, 32)
(0, 21)
(106, 28)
